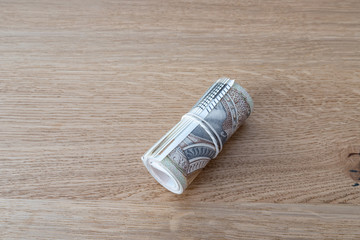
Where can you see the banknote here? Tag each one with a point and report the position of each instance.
(179, 156)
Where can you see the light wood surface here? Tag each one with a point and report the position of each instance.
(86, 87)
(102, 219)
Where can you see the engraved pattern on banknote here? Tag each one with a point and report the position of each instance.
(192, 153)
(197, 149)
(242, 106)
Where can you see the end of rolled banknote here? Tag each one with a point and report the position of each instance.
(166, 173)
(180, 155)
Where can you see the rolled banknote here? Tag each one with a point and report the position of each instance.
(179, 156)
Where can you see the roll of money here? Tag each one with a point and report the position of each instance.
(179, 156)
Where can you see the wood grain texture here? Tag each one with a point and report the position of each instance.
(86, 87)
(102, 219)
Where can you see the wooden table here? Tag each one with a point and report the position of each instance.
(86, 87)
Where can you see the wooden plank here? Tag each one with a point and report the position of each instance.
(73, 219)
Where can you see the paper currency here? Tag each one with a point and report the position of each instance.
(178, 157)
